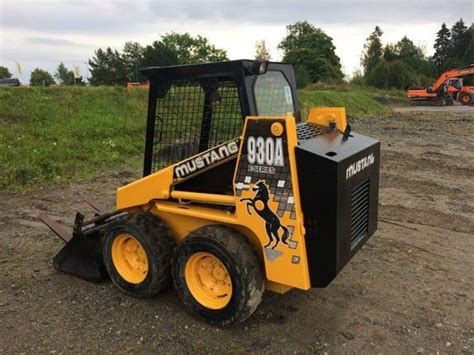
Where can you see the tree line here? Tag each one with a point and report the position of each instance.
(111, 67)
(403, 64)
(308, 48)
(40, 77)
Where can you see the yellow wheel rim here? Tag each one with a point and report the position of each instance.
(208, 280)
(129, 258)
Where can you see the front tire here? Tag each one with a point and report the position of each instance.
(137, 255)
(218, 275)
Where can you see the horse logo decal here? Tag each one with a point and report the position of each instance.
(272, 223)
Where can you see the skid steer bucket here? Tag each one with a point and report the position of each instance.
(82, 254)
(81, 257)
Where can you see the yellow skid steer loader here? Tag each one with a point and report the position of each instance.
(238, 195)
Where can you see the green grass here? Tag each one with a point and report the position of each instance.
(50, 136)
(359, 102)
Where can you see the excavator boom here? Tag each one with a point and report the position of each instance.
(453, 73)
(440, 93)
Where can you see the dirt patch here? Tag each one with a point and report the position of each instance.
(410, 289)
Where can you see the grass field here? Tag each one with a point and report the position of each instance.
(359, 102)
(48, 136)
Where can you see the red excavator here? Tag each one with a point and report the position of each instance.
(447, 89)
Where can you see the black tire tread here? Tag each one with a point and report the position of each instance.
(160, 239)
(245, 255)
(243, 251)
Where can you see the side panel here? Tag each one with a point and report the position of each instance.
(142, 191)
(267, 197)
(339, 195)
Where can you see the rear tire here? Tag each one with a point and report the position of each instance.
(214, 255)
(137, 255)
(465, 98)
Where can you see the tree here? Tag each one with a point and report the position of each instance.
(175, 48)
(395, 74)
(462, 39)
(107, 68)
(390, 52)
(4, 73)
(442, 47)
(157, 54)
(469, 38)
(261, 51)
(63, 75)
(132, 55)
(468, 57)
(379, 76)
(40, 77)
(413, 56)
(190, 50)
(458, 38)
(312, 53)
(110, 67)
(401, 75)
(372, 53)
(408, 52)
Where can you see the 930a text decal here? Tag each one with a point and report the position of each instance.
(265, 151)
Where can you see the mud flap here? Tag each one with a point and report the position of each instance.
(82, 257)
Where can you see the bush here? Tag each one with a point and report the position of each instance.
(40, 77)
(395, 74)
(358, 79)
(379, 76)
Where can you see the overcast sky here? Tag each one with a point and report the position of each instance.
(44, 33)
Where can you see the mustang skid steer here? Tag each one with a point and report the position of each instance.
(238, 194)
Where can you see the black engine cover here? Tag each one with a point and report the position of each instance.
(339, 183)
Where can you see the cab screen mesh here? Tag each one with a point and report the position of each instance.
(193, 116)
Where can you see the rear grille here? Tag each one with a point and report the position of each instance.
(359, 213)
(308, 130)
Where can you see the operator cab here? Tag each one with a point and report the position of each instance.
(195, 107)
(456, 83)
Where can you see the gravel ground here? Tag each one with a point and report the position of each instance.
(410, 288)
(456, 108)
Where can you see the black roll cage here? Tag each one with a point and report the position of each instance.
(243, 74)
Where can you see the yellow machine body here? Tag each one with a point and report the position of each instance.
(285, 265)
